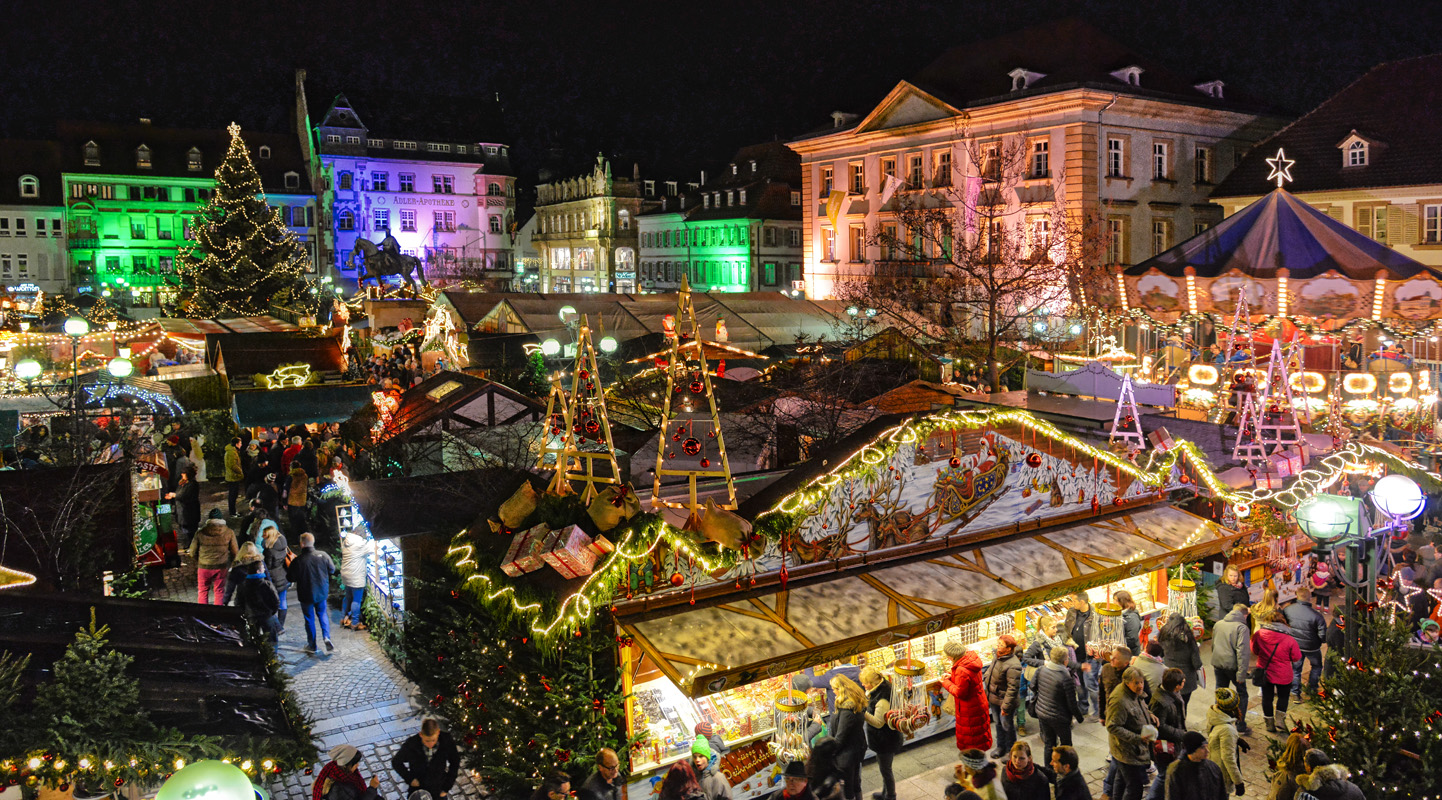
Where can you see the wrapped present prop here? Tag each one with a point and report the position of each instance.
(612, 506)
(1161, 439)
(574, 554)
(527, 547)
(720, 526)
(1286, 463)
(520, 505)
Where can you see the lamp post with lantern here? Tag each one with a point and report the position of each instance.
(28, 371)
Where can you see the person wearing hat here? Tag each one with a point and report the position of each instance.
(713, 784)
(240, 568)
(1222, 739)
(980, 774)
(1003, 694)
(1325, 780)
(340, 778)
(967, 687)
(717, 742)
(213, 548)
(1194, 776)
(794, 783)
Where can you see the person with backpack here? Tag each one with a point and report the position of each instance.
(257, 600)
(340, 778)
(1054, 701)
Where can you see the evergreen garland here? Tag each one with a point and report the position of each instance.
(1378, 715)
(244, 259)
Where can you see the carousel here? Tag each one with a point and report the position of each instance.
(1287, 306)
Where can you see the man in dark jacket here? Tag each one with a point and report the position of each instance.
(1078, 621)
(257, 599)
(605, 782)
(1194, 776)
(1309, 628)
(1070, 785)
(310, 572)
(1003, 694)
(428, 761)
(1327, 781)
(1056, 702)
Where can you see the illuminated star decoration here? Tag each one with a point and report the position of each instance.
(1281, 168)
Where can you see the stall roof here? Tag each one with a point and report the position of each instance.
(427, 402)
(444, 502)
(285, 407)
(262, 352)
(197, 328)
(753, 638)
(780, 318)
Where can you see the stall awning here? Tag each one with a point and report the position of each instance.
(298, 406)
(760, 637)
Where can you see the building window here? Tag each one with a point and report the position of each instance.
(92, 154)
(1161, 166)
(490, 149)
(858, 177)
(297, 217)
(1372, 221)
(1038, 236)
(332, 138)
(742, 197)
(192, 160)
(730, 198)
(408, 182)
(623, 219)
(1357, 154)
(292, 180)
(1116, 153)
(380, 181)
(991, 162)
(29, 186)
(408, 220)
(828, 244)
(399, 145)
(345, 181)
(858, 243)
(793, 238)
(888, 167)
(888, 242)
(1432, 224)
(1203, 165)
(382, 219)
(375, 142)
(1161, 236)
(795, 198)
(352, 140)
(768, 236)
(914, 173)
(941, 174)
(137, 229)
(828, 180)
(1198, 228)
(265, 151)
(493, 190)
(167, 264)
(165, 231)
(142, 157)
(1116, 240)
(768, 274)
(495, 224)
(1041, 159)
(345, 221)
(444, 221)
(650, 188)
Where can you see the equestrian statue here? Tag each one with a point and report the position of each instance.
(386, 259)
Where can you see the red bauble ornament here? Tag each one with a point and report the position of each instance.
(592, 426)
(1185, 478)
(585, 373)
(705, 462)
(954, 462)
(691, 446)
(710, 434)
(676, 437)
(697, 387)
(1033, 460)
(1116, 501)
(671, 454)
(677, 579)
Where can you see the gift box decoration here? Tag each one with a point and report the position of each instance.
(525, 551)
(574, 554)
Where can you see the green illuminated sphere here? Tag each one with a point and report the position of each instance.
(207, 780)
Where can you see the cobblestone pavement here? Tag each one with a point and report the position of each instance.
(354, 695)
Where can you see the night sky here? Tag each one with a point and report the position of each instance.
(675, 85)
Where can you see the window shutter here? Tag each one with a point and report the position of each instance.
(1394, 226)
(1410, 234)
(1335, 212)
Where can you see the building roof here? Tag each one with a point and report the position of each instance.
(39, 158)
(1067, 54)
(307, 404)
(916, 397)
(429, 401)
(768, 186)
(473, 306)
(250, 353)
(443, 502)
(1396, 107)
(412, 116)
(170, 149)
(1280, 231)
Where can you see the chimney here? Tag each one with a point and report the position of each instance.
(703, 177)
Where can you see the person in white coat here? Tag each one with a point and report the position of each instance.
(355, 553)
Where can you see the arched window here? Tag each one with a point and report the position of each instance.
(345, 221)
(142, 157)
(624, 220)
(345, 180)
(29, 186)
(495, 224)
(265, 151)
(493, 190)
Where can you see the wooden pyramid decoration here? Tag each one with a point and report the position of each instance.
(1248, 447)
(581, 445)
(1277, 407)
(1126, 422)
(691, 444)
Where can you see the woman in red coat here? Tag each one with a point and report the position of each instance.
(1276, 651)
(973, 718)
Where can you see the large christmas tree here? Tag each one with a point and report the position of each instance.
(244, 258)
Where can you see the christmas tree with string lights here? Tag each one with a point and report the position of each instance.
(244, 258)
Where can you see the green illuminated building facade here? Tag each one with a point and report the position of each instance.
(740, 231)
(131, 193)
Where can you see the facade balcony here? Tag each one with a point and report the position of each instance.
(902, 270)
(82, 241)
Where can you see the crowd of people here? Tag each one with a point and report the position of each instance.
(427, 764)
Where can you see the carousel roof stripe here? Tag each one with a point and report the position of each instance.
(1281, 231)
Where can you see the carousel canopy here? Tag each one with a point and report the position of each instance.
(1281, 231)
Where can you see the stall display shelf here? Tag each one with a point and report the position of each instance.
(387, 578)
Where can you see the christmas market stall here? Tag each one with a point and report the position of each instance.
(279, 379)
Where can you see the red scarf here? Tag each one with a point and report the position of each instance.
(1017, 777)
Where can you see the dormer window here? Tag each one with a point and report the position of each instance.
(29, 186)
(1131, 76)
(142, 157)
(292, 180)
(265, 151)
(192, 160)
(1210, 88)
(1022, 78)
(753, 165)
(1356, 150)
(92, 154)
(733, 169)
